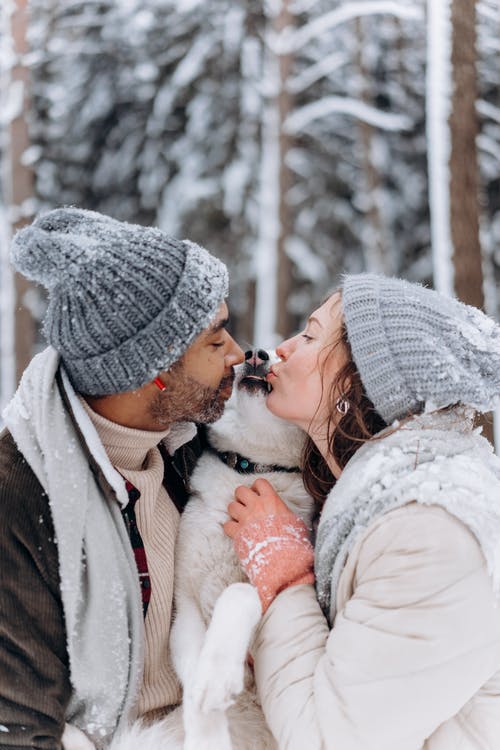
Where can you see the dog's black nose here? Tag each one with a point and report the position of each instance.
(257, 358)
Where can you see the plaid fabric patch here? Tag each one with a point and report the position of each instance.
(137, 544)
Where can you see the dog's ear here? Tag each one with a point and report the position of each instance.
(180, 466)
(186, 457)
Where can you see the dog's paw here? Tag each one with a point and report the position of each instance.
(217, 683)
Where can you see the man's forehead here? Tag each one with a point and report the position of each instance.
(222, 312)
(220, 320)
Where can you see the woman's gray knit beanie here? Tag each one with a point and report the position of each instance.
(125, 301)
(416, 349)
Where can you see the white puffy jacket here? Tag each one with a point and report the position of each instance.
(413, 659)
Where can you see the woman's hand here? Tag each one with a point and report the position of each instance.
(271, 542)
(254, 504)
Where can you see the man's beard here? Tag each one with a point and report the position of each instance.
(187, 400)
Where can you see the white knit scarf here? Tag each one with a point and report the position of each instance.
(99, 584)
(435, 459)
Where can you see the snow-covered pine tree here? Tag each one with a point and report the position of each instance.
(162, 112)
(150, 111)
(18, 323)
(359, 149)
(488, 148)
(7, 355)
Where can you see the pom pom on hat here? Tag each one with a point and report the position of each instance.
(125, 301)
(53, 246)
(414, 347)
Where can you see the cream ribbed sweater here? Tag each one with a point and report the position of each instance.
(135, 455)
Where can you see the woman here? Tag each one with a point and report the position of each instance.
(402, 652)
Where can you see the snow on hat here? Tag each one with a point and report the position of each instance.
(125, 301)
(416, 349)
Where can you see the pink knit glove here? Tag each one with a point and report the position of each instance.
(275, 553)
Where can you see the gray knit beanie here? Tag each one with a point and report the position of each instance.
(125, 301)
(416, 349)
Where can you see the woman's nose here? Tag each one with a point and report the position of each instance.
(283, 350)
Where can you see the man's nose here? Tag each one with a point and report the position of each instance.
(235, 354)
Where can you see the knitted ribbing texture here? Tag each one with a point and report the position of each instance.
(125, 301)
(416, 349)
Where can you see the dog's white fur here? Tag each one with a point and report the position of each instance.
(74, 739)
(217, 611)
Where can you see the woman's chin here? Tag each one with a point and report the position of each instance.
(278, 406)
(273, 403)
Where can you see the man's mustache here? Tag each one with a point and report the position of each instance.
(226, 382)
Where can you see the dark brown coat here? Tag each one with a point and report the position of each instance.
(35, 684)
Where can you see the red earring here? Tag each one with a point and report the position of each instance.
(159, 384)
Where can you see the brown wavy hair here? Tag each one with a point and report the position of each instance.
(358, 425)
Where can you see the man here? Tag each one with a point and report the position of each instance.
(89, 493)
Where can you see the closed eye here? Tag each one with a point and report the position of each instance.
(306, 337)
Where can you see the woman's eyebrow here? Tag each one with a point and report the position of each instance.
(312, 319)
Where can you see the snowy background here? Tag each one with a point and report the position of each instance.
(296, 139)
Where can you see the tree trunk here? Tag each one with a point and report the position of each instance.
(375, 243)
(284, 321)
(438, 108)
(7, 320)
(464, 172)
(266, 252)
(18, 179)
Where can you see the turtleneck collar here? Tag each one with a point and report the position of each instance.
(126, 447)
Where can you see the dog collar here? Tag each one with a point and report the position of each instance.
(243, 465)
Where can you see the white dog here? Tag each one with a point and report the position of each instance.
(217, 610)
